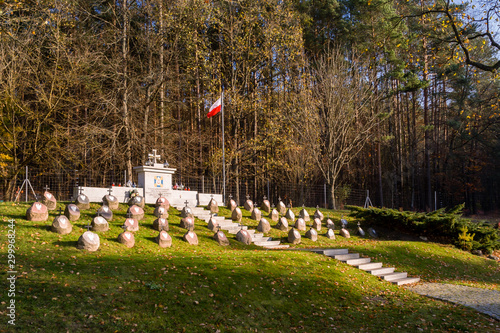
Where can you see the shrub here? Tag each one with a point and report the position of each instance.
(448, 224)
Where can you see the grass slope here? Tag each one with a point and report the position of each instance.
(208, 288)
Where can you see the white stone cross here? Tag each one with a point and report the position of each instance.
(154, 156)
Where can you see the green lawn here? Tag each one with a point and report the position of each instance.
(239, 288)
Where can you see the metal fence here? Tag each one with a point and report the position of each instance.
(61, 183)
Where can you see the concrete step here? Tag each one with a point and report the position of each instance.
(262, 239)
(267, 243)
(380, 271)
(281, 246)
(393, 276)
(358, 261)
(331, 252)
(345, 256)
(370, 266)
(407, 280)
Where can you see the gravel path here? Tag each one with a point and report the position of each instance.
(483, 300)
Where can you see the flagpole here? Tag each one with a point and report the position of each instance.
(223, 152)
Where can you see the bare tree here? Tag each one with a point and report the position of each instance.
(337, 115)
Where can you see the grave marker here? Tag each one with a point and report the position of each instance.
(99, 224)
(161, 212)
(48, 199)
(248, 204)
(110, 200)
(294, 236)
(282, 224)
(37, 212)
(300, 224)
(316, 224)
(274, 215)
(61, 224)
(236, 215)
(304, 214)
(82, 201)
(72, 212)
(318, 214)
(131, 223)
(88, 241)
(126, 237)
(231, 204)
(244, 237)
(136, 212)
(266, 205)
(281, 207)
(312, 234)
(212, 205)
(256, 214)
(221, 238)
(289, 215)
(105, 212)
(264, 226)
(163, 239)
(161, 224)
(191, 237)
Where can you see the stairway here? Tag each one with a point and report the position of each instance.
(365, 264)
(233, 228)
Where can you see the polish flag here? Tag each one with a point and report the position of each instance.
(215, 108)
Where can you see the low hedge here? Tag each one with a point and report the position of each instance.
(450, 225)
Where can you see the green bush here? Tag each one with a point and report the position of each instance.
(449, 225)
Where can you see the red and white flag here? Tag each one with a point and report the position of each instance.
(215, 108)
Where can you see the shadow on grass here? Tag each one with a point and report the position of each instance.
(66, 243)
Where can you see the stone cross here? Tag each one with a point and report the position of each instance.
(265, 198)
(248, 197)
(110, 190)
(46, 188)
(159, 194)
(80, 190)
(211, 196)
(124, 227)
(230, 196)
(273, 206)
(317, 207)
(154, 156)
(129, 215)
(98, 214)
(288, 206)
(59, 211)
(359, 224)
(303, 206)
(279, 198)
(88, 227)
(186, 203)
